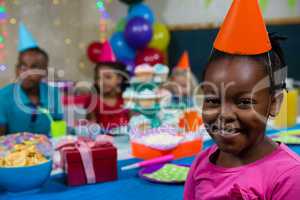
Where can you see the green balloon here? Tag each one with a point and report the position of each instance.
(263, 4)
(208, 3)
(292, 4)
(121, 25)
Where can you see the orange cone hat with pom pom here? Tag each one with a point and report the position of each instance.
(107, 54)
(243, 31)
(184, 62)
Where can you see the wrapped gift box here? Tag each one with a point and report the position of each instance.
(101, 166)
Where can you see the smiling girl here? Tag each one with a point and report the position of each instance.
(243, 83)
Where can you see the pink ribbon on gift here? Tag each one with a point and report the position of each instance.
(84, 145)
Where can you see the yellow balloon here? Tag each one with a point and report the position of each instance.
(161, 37)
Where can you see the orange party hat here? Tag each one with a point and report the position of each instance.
(184, 62)
(243, 31)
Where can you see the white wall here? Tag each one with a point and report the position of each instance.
(173, 12)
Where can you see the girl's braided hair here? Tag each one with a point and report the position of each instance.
(273, 60)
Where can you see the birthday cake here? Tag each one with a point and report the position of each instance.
(147, 98)
(162, 141)
(129, 97)
(157, 130)
(144, 73)
(161, 73)
(180, 134)
(139, 123)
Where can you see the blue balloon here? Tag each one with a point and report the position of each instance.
(141, 10)
(121, 48)
(138, 32)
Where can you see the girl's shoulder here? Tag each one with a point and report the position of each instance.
(281, 160)
(284, 158)
(286, 171)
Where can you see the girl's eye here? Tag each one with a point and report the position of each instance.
(246, 103)
(212, 101)
(107, 76)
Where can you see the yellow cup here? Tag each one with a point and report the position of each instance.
(287, 116)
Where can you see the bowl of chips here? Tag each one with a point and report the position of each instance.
(25, 163)
(21, 179)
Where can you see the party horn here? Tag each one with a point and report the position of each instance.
(146, 163)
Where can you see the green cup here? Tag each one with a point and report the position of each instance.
(58, 128)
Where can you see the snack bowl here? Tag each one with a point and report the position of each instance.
(23, 179)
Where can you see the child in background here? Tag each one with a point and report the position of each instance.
(21, 102)
(106, 107)
(243, 87)
(182, 82)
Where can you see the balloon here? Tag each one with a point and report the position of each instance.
(94, 50)
(161, 37)
(130, 65)
(121, 48)
(138, 32)
(141, 10)
(150, 56)
(129, 2)
(121, 25)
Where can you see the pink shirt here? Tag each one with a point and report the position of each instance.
(274, 177)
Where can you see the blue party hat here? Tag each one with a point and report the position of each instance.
(26, 40)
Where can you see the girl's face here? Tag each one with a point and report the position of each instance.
(234, 114)
(108, 80)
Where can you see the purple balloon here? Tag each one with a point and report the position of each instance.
(138, 32)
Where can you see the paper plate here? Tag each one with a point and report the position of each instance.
(288, 139)
(153, 168)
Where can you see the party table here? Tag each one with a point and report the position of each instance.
(128, 186)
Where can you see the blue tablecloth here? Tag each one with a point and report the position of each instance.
(128, 186)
